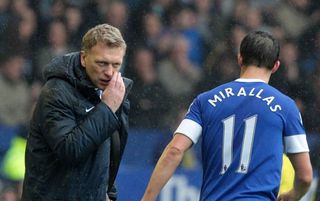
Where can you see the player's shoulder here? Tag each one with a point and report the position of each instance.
(281, 96)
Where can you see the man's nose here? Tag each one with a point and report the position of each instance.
(108, 71)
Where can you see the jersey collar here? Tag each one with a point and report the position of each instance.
(248, 80)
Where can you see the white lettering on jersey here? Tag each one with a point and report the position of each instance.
(229, 92)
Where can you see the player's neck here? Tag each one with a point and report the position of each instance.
(253, 72)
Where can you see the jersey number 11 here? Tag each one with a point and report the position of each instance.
(228, 132)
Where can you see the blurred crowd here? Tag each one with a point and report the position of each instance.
(176, 49)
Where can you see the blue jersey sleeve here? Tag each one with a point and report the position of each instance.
(194, 111)
(191, 126)
(294, 133)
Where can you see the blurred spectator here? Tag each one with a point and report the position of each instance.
(155, 35)
(226, 69)
(254, 20)
(15, 99)
(238, 14)
(312, 122)
(298, 13)
(237, 33)
(205, 23)
(288, 76)
(278, 32)
(13, 169)
(179, 75)
(4, 15)
(57, 45)
(24, 28)
(19, 6)
(48, 11)
(9, 193)
(74, 24)
(57, 9)
(93, 12)
(51, 9)
(184, 22)
(6, 18)
(117, 15)
(148, 97)
(163, 8)
(15, 105)
(219, 66)
(152, 30)
(311, 57)
(263, 3)
(289, 59)
(77, 3)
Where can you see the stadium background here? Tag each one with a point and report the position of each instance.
(176, 49)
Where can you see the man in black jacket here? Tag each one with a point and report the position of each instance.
(80, 124)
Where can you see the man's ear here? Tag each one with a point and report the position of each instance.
(275, 66)
(240, 60)
(82, 58)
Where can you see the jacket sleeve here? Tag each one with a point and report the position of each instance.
(70, 139)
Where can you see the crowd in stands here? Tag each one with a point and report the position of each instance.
(176, 49)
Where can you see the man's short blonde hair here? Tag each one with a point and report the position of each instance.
(109, 35)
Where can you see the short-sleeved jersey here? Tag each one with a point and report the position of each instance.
(245, 126)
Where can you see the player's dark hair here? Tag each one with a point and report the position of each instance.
(260, 49)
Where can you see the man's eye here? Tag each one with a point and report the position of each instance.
(101, 64)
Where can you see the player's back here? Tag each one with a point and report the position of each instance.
(243, 123)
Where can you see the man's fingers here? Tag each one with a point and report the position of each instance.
(113, 80)
(118, 80)
(120, 83)
(118, 77)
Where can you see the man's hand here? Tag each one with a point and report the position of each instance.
(114, 92)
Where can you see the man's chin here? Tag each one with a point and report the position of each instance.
(102, 86)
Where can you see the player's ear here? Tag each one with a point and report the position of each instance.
(240, 59)
(83, 58)
(275, 66)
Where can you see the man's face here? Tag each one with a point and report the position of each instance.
(101, 62)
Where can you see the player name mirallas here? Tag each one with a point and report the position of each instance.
(253, 92)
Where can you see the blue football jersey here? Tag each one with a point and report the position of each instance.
(245, 126)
